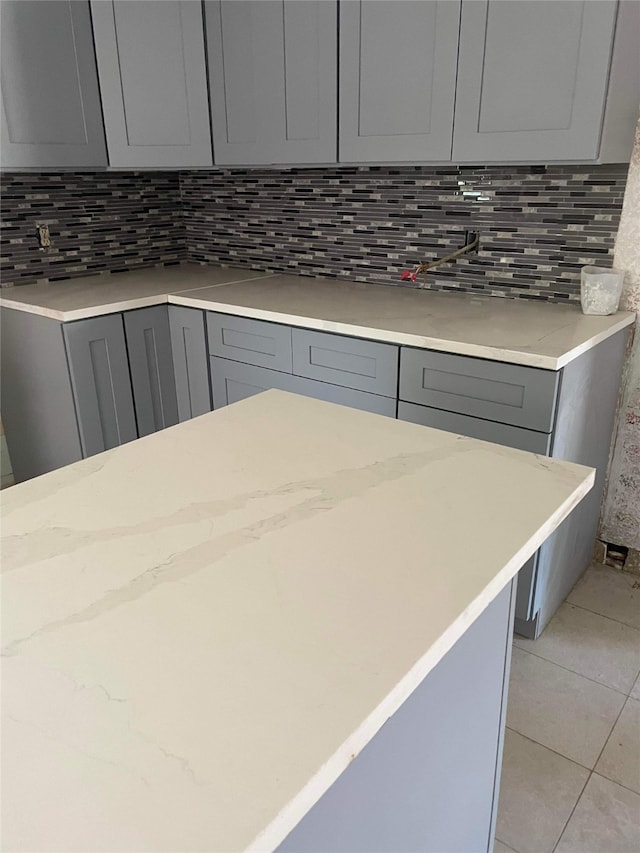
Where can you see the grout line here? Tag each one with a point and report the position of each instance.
(605, 746)
(575, 805)
(615, 782)
(555, 751)
(582, 675)
(504, 843)
(610, 618)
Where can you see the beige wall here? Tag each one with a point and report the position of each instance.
(621, 514)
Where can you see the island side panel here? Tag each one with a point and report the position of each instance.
(583, 433)
(429, 779)
(38, 409)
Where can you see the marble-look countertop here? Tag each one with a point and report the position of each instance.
(512, 330)
(202, 628)
(96, 295)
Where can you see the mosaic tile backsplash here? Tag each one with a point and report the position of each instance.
(537, 225)
(98, 221)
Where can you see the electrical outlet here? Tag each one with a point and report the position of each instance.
(44, 237)
(470, 237)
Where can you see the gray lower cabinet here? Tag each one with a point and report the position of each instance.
(273, 80)
(151, 367)
(340, 360)
(398, 62)
(567, 414)
(190, 361)
(233, 381)
(99, 371)
(151, 64)
(429, 779)
(496, 391)
(250, 341)
(38, 406)
(532, 79)
(51, 114)
(497, 433)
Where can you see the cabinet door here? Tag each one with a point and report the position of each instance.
(532, 79)
(190, 361)
(152, 71)
(99, 369)
(151, 366)
(398, 62)
(273, 78)
(233, 381)
(51, 112)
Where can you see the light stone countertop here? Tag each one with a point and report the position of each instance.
(539, 334)
(96, 295)
(203, 627)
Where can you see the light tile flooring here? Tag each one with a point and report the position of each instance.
(571, 769)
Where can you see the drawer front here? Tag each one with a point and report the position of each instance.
(250, 341)
(354, 363)
(510, 436)
(507, 393)
(233, 381)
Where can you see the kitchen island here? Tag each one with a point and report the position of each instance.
(95, 362)
(282, 624)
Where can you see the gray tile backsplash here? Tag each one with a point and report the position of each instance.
(98, 221)
(538, 225)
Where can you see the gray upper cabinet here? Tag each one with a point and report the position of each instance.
(151, 63)
(532, 79)
(51, 114)
(99, 369)
(398, 62)
(151, 366)
(273, 79)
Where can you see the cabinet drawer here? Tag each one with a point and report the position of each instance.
(232, 381)
(250, 341)
(354, 363)
(510, 436)
(507, 393)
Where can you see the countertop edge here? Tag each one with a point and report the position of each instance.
(407, 339)
(180, 298)
(110, 307)
(303, 802)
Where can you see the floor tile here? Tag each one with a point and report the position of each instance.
(537, 793)
(635, 691)
(591, 645)
(606, 820)
(620, 760)
(559, 709)
(499, 847)
(609, 592)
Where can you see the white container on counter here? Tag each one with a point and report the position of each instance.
(600, 290)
